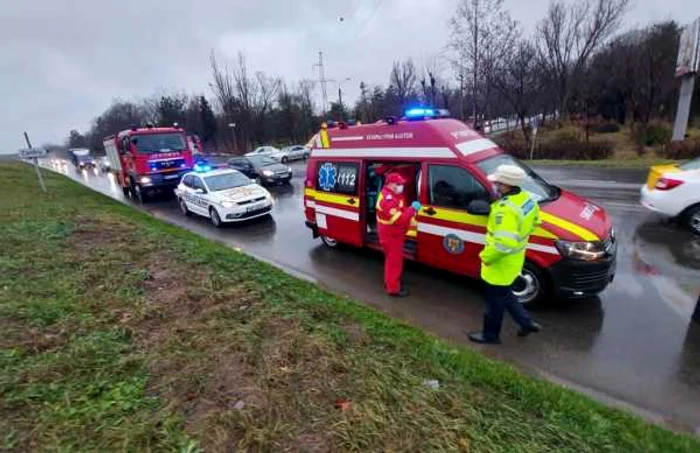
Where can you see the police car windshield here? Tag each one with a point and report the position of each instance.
(227, 181)
(160, 143)
(262, 161)
(534, 184)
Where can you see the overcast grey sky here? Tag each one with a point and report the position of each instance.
(62, 62)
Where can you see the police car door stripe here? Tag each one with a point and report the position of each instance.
(475, 146)
(442, 153)
(477, 238)
(342, 213)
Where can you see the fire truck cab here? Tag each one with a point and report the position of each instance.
(149, 159)
(572, 254)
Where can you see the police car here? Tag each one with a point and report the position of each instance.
(222, 195)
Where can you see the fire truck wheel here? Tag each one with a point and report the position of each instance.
(215, 219)
(330, 242)
(183, 207)
(126, 191)
(531, 287)
(140, 194)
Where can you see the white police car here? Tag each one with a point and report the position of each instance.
(223, 195)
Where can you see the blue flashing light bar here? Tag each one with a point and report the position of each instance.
(420, 113)
(202, 167)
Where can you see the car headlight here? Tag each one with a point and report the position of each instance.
(145, 180)
(267, 173)
(226, 204)
(582, 251)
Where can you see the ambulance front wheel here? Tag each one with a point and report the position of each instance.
(531, 287)
(330, 242)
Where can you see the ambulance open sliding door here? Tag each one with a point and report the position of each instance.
(338, 204)
(448, 236)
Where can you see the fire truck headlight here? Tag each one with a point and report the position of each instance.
(581, 251)
(145, 180)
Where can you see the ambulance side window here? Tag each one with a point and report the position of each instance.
(337, 177)
(454, 187)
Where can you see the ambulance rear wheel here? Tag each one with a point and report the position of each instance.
(330, 242)
(531, 287)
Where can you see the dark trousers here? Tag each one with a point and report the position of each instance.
(498, 300)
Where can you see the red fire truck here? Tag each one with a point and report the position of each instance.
(149, 159)
(446, 163)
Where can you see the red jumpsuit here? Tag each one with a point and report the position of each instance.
(393, 220)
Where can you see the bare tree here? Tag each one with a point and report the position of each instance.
(570, 33)
(403, 81)
(481, 30)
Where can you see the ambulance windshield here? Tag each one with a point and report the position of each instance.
(534, 184)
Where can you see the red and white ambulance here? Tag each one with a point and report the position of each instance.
(572, 254)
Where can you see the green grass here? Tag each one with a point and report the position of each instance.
(121, 332)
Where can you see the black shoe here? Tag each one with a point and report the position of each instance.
(478, 337)
(532, 328)
(401, 293)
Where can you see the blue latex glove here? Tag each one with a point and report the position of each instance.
(416, 205)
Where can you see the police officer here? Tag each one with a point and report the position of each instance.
(514, 216)
(393, 221)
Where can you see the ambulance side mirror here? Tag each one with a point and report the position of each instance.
(478, 207)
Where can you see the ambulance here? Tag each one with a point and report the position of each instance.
(446, 163)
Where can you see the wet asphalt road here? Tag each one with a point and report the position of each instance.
(634, 346)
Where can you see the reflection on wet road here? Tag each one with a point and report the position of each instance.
(634, 345)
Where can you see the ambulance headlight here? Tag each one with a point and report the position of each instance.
(582, 251)
(226, 204)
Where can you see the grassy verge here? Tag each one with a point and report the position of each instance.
(121, 332)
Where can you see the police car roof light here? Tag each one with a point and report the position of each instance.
(202, 168)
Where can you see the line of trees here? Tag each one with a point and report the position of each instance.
(575, 63)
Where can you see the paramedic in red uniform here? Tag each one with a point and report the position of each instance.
(393, 221)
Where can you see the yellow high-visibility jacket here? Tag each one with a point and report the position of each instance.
(512, 220)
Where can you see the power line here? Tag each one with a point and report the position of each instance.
(369, 18)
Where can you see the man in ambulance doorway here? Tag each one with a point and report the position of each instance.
(393, 221)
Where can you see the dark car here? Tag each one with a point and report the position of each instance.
(263, 169)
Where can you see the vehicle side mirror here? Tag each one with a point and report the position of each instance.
(478, 207)
(200, 191)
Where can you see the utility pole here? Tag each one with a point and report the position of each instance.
(340, 97)
(322, 81)
(475, 5)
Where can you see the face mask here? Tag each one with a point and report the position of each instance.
(399, 190)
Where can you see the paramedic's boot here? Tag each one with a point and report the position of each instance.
(532, 328)
(402, 293)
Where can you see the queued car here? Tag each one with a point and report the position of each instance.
(105, 165)
(289, 153)
(674, 191)
(223, 196)
(268, 151)
(263, 169)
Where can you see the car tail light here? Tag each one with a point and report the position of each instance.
(667, 183)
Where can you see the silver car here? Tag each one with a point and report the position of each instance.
(294, 152)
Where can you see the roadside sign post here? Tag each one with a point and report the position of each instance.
(534, 123)
(687, 66)
(34, 154)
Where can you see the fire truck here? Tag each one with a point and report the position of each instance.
(149, 159)
(446, 164)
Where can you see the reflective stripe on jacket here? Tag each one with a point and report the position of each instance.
(391, 212)
(512, 220)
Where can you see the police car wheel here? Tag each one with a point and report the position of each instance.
(330, 242)
(692, 219)
(183, 207)
(530, 287)
(215, 218)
